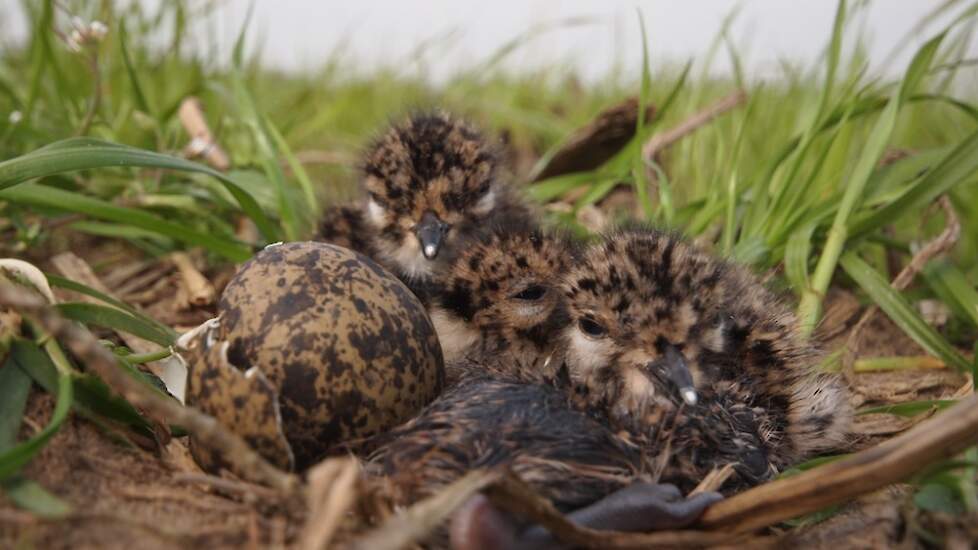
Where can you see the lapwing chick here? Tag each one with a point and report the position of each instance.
(498, 305)
(431, 184)
(578, 463)
(662, 334)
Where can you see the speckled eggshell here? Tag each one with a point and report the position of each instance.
(350, 349)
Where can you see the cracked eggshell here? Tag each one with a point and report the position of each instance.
(348, 349)
(242, 400)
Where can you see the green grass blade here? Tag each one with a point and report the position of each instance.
(29, 495)
(551, 188)
(16, 457)
(137, 88)
(91, 397)
(297, 169)
(796, 254)
(115, 319)
(15, 386)
(68, 284)
(87, 153)
(958, 166)
(900, 311)
(911, 408)
(953, 288)
(811, 303)
(45, 196)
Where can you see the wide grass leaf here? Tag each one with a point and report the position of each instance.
(67, 284)
(114, 319)
(45, 196)
(29, 495)
(15, 386)
(91, 397)
(87, 153)
(16, 457)
(958, 166)
(900, 311)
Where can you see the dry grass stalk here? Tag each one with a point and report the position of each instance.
(890, 462)
(332, 490)
(513, 495)
(102, 362)
(202, 143)
(200, 292)
(662, 140)
(424, 517)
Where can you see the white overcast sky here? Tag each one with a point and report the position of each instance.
(300, 34)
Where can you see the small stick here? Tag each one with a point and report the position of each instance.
(941, 244)
(332, 491)
(250, 491)
(202, 142)
(892, 461)
(102, 362)
(422, 518)
(660, 141)
(199, 290)
(513, 495)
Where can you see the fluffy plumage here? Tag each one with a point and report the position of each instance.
(431, 185)
(483, 422)
(498, 300)
(644, 306)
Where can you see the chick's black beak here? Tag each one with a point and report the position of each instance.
(673, 366)
(430, 231)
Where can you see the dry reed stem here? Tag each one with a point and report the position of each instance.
(332, 490)
(662, 140)
(200, 291)
(202, 141)
(424, 517)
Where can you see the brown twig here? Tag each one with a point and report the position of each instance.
(662, 140)
(102, 362)
(513, 495)
(332, 491)
(199, 290)
(421, 519)
(591, 145)
(250, 492)
(893, 461)
(941, 244)
(202, 143)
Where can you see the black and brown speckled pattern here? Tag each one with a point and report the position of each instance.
(499, 299)
(648, 289)
(345, 226)
(435, 163)
(530, 428)
(244, 402)
(350, 349)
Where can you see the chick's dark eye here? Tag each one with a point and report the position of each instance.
(531, 293)
(590, 327)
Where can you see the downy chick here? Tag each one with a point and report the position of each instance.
(662, 334)
(431, 185)
(497, 304)
(575, 461)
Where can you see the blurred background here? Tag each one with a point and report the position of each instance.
(596, 39)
